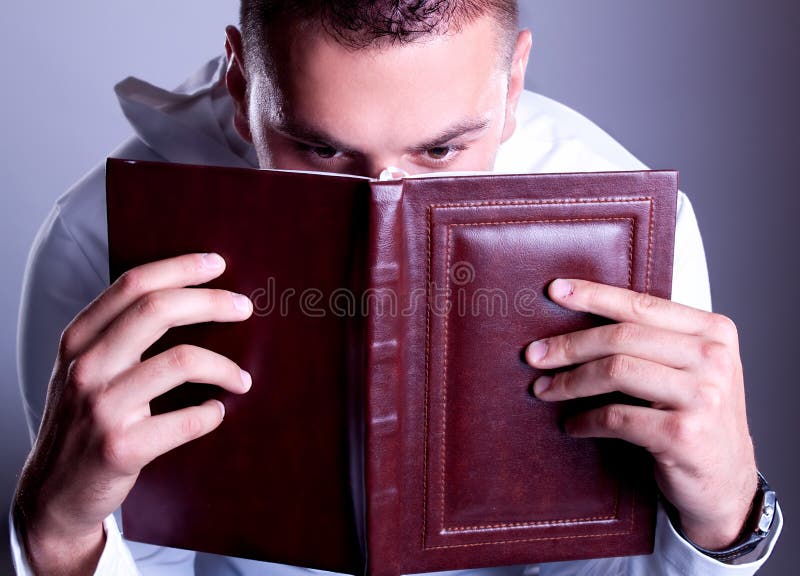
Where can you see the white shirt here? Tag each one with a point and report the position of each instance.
(68, 268)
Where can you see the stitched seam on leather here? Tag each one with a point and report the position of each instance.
(632, 200)
(538, 522)
(444, 375)
(444, 372)
(543, 538)
(538, 220)
(630, 253)
(548, 538)
(649, 250)
(448, 253)
(426, 409)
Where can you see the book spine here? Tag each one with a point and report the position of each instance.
(382, 306)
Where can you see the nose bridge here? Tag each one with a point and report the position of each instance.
(384, 167)
(392, 173)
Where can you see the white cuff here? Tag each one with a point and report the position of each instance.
(115, 560)
(685, 559)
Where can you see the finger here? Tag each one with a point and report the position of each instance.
(628, 306)
(144, 322)
(619, 373)
(645, 427)
(163, 372)
(157, 435)
(186, 270)
(639, 340)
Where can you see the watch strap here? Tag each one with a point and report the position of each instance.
(756, 527)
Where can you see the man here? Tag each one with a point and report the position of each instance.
(357, 87)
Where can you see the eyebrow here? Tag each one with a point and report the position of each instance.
(313, 135)
(462, 128)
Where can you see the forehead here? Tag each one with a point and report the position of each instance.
(399, 92)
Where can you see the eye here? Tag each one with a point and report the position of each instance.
(319, 153)
(442, 155)
(439, 152)
(326, 152)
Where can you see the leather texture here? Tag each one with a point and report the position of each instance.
(391, 426)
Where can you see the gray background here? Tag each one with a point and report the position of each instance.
(706, 86)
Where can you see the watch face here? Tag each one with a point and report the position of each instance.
(767, 512)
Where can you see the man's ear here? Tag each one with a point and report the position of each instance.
(236, 81)
(516, 81)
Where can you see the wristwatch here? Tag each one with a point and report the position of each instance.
(756, 527)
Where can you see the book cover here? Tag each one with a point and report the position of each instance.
(391, 427)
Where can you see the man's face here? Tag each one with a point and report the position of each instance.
(442, 103)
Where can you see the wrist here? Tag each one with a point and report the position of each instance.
(720, 532)
(729, 521)
(52, 550)
(754, 534)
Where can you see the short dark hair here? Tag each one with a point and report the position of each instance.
(359, 24)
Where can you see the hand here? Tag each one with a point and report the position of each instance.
(97, 432)
(685, 363)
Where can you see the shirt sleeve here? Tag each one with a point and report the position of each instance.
(115, 560)
(672, 556)
(59, 282)
(67, 268)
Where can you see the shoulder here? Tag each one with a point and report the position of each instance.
(81, 211)
(552, 137)
(189, 124)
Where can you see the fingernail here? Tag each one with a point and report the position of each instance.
(561, 288)
(247, 379)
(221, 408)
(212, 261)
(542, 384)
(537, 350)
(242, 303)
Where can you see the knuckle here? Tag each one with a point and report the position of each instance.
(221, 299)
(716, 355)
(191, 426)
(132, 282)
(710, 397)
(117, 451)
(723, 327)
(151, 304)
(612, 418)
(623, 334)
(182, 357)
(80, 375)
(567, 344)
(617, 367)
(643, 304)
(68, 343)
(680, 430)
(564, 382)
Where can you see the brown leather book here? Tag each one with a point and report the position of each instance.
(391, 427)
